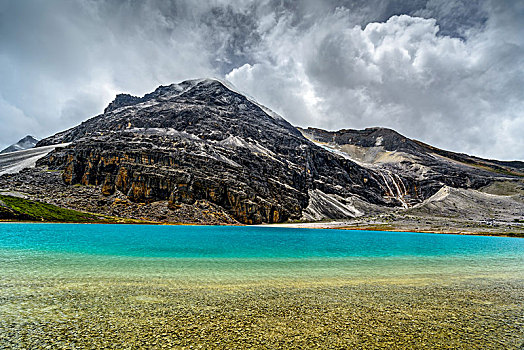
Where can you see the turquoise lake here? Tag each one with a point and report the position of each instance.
(243, 254)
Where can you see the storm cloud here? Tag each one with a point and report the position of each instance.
(450, 73)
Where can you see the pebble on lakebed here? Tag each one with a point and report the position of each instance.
(133, 314)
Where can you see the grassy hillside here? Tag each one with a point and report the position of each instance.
(14, 208)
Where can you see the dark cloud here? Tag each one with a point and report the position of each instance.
(448, 72)
(456, 18)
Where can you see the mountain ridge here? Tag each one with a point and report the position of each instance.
(200, 151)
(399, 142)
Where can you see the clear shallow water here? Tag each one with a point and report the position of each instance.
(222, 253)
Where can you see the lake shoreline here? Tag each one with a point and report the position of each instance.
(311, 225)
(407, 230)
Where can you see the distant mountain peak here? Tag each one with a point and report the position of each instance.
(25, 143)
(28, 138)
(207, 108)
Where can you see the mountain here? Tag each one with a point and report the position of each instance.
(473, 194)
(370, 144)
(389, 152)
(25, 143)
(199, 151)
(200, 141)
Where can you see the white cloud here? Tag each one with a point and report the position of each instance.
(453, 93)
(65, 61)
(449, 72)
(19, 123)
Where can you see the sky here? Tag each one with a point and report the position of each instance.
(446, 72)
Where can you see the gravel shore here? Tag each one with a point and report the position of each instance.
(146, 313)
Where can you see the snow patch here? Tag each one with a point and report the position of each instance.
(14, 162)
(235, 141)
(164, 132)
(335, 151)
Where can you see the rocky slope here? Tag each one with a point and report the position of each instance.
(389, 153)
(378, 145)
(474, 194)
(199, 151)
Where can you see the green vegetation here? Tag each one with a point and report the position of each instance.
(14, 208)
(504, 188)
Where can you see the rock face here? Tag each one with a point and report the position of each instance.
(200, 141)
(25, 143)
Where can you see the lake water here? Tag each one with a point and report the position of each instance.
(65, 286)
(220, 254)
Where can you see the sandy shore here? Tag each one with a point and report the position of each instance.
(434, 225)
(133, 314)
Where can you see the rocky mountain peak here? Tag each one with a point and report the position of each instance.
(202, 140)
(200, 144)
(205, 108)
(122, 100)
(162, 92)
(25, 143)
(28, 138)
